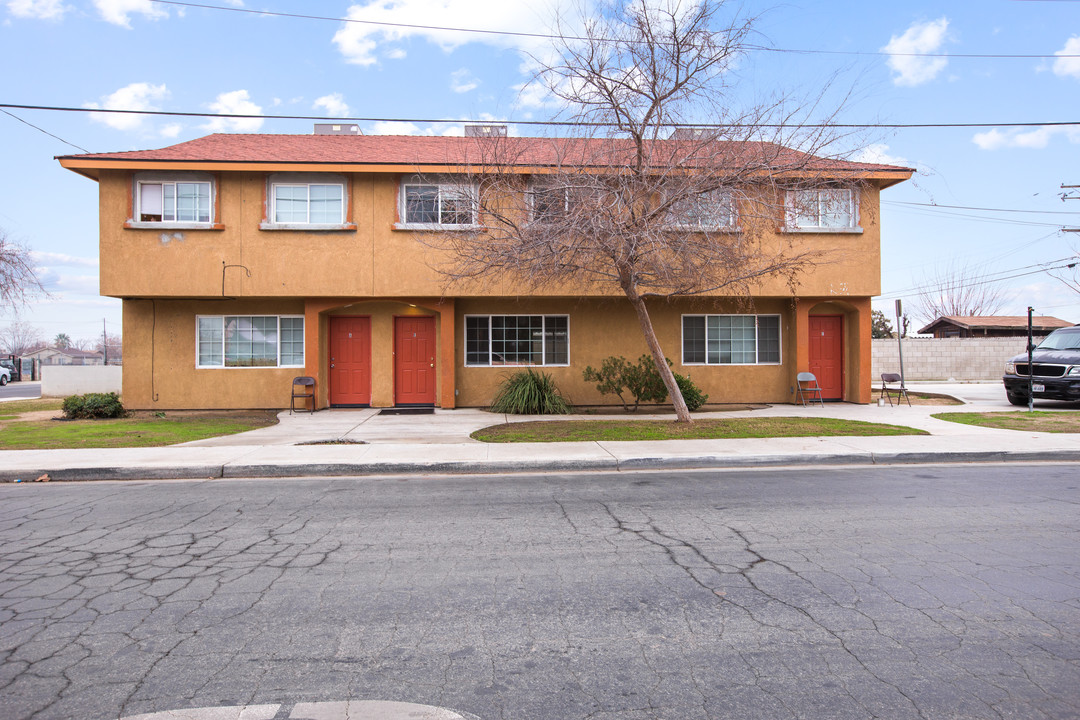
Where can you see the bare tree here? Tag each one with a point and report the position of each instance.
(646, 211)
(18, 280)
(957, 290)
(19, 338)
(1069, 274)
(111, 348)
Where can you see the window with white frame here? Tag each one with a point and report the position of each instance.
(307, 203)
(517, 340)
(548, 202)
(250, 341)
(443, 201)
(712, 210)
(822, 209)
(172, 199)
(731, 339)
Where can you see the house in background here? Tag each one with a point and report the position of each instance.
(245, 260)
(953, 326)
(64, 356)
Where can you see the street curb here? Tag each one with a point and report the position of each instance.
(213, 472)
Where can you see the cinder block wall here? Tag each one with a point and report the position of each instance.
(960, 359)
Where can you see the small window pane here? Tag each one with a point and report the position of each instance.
(556, 340)
(422, 204)
(150, 202)
(477, 348)
(768, 339)
(326, 204)
(693, 340)
(292, 341)
(290, 204)
(456, 208)
(210, 337)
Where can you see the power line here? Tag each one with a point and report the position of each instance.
(984, 280)
(44, 131)
(984, 209)
(554, 123)
(550, 36)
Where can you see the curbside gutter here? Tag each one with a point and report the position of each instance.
(490, 467)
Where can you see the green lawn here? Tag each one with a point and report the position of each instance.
(19, 431)
(1038, 421)
(629, 430)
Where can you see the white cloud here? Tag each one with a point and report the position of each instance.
(64, 259)
(387, 127)
(878, 153)
(358, 42)
(38, 9)
(237, 102)
(1069, 66)
(1026, 139)
(136, 96)
(117, 11)
(334, 104)
(904, 52)
(462, 81)
(172, 130)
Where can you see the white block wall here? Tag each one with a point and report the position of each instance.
(64, 380)
(960, 359)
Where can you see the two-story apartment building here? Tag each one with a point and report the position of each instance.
(246, 260)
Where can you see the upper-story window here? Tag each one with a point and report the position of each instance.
(437, 202)
(712, 210)
(829, 209)
(173, 198)
(548, 202)
(306, 201)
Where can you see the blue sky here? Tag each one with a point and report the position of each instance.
(139, 54)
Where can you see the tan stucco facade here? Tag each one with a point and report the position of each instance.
(243, 266)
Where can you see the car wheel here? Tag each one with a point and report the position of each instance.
(3, 380)
(1016, 399)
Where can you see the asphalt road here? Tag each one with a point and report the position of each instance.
(20, 390)
(918, 592)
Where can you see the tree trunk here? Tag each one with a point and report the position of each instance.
(682, 413)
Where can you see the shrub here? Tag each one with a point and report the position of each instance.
(640, 380)
(691, 393)
(93, 405)
(529, 393)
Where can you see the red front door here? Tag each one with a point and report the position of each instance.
(827, 354)
(350, 360)
(414, 361)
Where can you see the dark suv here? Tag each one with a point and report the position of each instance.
(1055, 373)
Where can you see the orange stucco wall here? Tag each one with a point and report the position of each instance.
(160, 368)
(167, 277)
(373, 259)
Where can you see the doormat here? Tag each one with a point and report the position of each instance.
(407, 411)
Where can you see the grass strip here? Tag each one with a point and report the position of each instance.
(710, 429)
(123, 432)
(1038, 421)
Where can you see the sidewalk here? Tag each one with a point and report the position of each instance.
(373, 444)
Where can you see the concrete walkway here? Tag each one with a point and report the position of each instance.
(365, 442)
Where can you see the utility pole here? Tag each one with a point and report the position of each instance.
(104, 343)
(1072, 192)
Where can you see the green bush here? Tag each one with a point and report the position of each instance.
(93, 405)
(529, 393)
(641, 381)
(691, 393)
(617, 375)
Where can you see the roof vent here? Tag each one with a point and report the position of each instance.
(332, 129)
(695, 133)
(485, 131)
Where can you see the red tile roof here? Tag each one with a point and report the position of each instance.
(414, 150)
